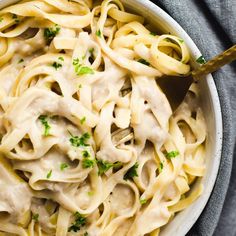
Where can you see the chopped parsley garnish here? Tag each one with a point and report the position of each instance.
(86, 234)
(35, 217)
(80, 69)
(79, 141)
(80, 86)
(181, 40)
(85, 154)
(153, 33)
(14, 16)
(63, 166)
(201, 60)
(143, 201)
(172, 154)
(49, 174)
(160, 168)
(143, 61)
(83, 70)
(103, 166)
(44, 122)
(99, 33)
(61, 58)
(82, 120)
(56, 65)
(90, 193)
(78, 223)
(132, 172)
(87, 163)
(21, 60)
(50, 33)
(1, 19)
(91, 51)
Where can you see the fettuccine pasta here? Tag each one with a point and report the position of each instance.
(89, 143)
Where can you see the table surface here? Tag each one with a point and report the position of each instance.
(212, 26)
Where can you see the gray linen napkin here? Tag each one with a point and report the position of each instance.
(212, 26)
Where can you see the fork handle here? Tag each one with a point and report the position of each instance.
(215, 63)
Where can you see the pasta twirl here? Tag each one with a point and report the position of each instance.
(89, 143)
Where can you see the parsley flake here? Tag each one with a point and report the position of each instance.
(35, 217)
(63, 166)
(83, 70)
(80, 69)
(143, 61)
(21, 60)
(153, 33)
(50, 33)
(1, 19)
(172, 154)
(49, 174)
(181, 40)
(14, 16)
(78, 223)
(87, 163)
(143, 201)
(86, 234)
(99, 33)
(160, 168)
(61, 58)
(85, 154)
(201, 60)
(79, 141)
(132, 172)
(82, 120)
(56, 65)
(44, 122)
(103, 166)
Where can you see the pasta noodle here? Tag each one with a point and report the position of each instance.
(89, 143)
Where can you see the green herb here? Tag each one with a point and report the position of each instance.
(44, 122)
(1, 19)
(75, 61)
(98, 33)
(80, 86)
(160, 167)
(49, 174)
(172, 154)
(83, 70)
(79, 141)
(78, 223)
(86, 234)
(153, 33)
(14, 16)
(90, 193)
(35, 217)
(50, 33)
(91, 51)
(80, 69)
(132, 172)
(201, 60)
(86, 154)
(82, 120)
(87, 163)
(143, 61)
(103, 166)
(143, 201)
(61, 58)
(56, 65)
(64, 166)
(21, 60)
(181, 40)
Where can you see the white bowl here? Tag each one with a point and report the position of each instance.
(184, 220)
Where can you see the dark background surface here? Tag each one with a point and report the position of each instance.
(212, 26)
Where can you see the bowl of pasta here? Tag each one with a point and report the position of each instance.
(89, 143)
